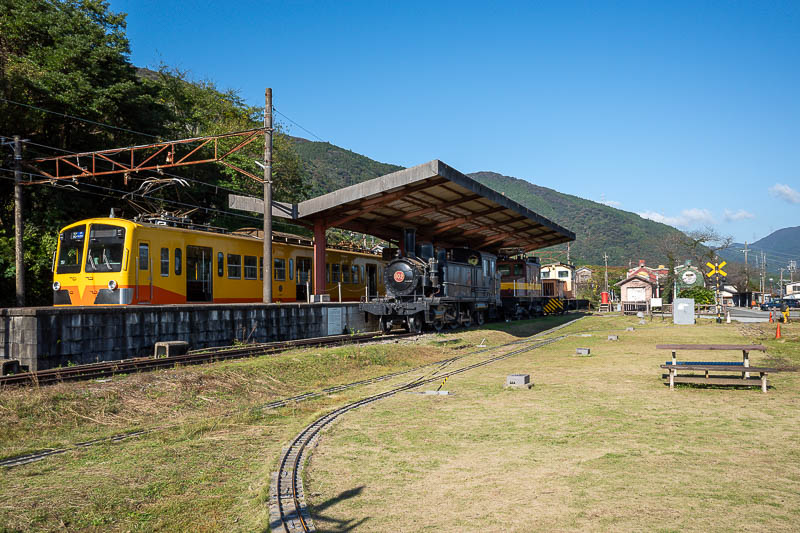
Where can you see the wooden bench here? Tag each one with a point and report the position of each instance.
(712, 366)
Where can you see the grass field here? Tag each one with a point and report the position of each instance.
(206, 466)
(598, 444)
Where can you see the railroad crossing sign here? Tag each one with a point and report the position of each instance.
(716, 268)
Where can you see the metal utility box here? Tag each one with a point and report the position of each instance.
(683, 311)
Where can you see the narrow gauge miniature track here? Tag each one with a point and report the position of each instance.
(143, 364)
(288, 510)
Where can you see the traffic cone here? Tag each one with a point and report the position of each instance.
(778, 331)
(770, 317)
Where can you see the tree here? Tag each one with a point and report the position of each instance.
(700, 295)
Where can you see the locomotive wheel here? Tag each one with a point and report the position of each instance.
(467, 321)
(480, 317)
(385, 325)
(414, 323)
(438, 325)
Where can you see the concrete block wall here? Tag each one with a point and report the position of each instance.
(49, 337)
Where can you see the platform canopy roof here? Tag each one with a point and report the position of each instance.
(444, 205)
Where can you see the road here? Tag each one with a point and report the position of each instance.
(742, 314)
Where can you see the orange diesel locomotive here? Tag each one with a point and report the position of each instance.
(113, 261)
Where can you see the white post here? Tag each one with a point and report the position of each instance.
(340, 292)
(308, 292)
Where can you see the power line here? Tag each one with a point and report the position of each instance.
(299, 126)
(77, 118)
(119, 191)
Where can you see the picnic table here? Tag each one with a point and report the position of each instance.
(716, 366)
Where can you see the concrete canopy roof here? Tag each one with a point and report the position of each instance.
(445, 206)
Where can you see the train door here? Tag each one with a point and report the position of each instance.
(372, 280)
(144, 274)
(303, 276)
(199, 286)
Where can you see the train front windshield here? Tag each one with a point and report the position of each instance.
(106, 246)
(71, 250)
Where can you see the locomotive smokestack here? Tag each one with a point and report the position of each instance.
(410, 241)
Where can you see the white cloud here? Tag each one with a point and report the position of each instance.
(687, 218)
(786, 193)
(741, 214)
(611, 203)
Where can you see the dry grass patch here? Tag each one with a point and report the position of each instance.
(208, 467)
(599, 443)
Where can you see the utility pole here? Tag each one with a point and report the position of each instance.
(567, 253)
(19, 251)
(605, 258)
(745, 250)
(780, 287)
(267, 285)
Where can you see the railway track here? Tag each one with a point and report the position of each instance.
(144, 364)
(288, 510)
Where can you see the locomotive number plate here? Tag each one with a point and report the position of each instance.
(399, 276)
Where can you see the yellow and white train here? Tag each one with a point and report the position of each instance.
(113, 261)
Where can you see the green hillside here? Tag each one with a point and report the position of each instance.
(330, 168)
(598, 228)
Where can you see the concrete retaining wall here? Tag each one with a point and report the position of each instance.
(48, 337)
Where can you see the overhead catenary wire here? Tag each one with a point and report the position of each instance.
(299, 126)
(120, 191)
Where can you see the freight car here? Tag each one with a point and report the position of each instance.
(523, 291)
(113, 261)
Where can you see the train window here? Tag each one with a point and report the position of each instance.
(71, 253)
(362, 273)
(178, 261)
(518, 269)
(234, 266)
(165, 261)
(336, 272)
(345, 273)
(327, 273)
(291, 269)
(504, 270)
(261, 268)
(106, 247)
(279, 269)
(545, 274)
(250, 267)
(144, 257)
(485, 267)
(355, 274)
(563, 274)
(220, 264)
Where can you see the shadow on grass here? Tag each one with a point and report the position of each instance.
(532, 326)
(335, 525)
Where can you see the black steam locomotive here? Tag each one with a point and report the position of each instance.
(437, 287)
(452, 287)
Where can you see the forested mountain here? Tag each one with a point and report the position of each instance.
(779, 247)
(330, 167)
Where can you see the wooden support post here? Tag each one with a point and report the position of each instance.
(746, 363)
(267, 285)
(319, 257)
(763, 382)
(19, 251)
(671, 378)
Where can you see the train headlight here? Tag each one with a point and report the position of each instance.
(56, 286)
(112, 285)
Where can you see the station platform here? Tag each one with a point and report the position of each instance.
(40, 338)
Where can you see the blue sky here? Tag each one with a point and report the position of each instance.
(685, 112)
